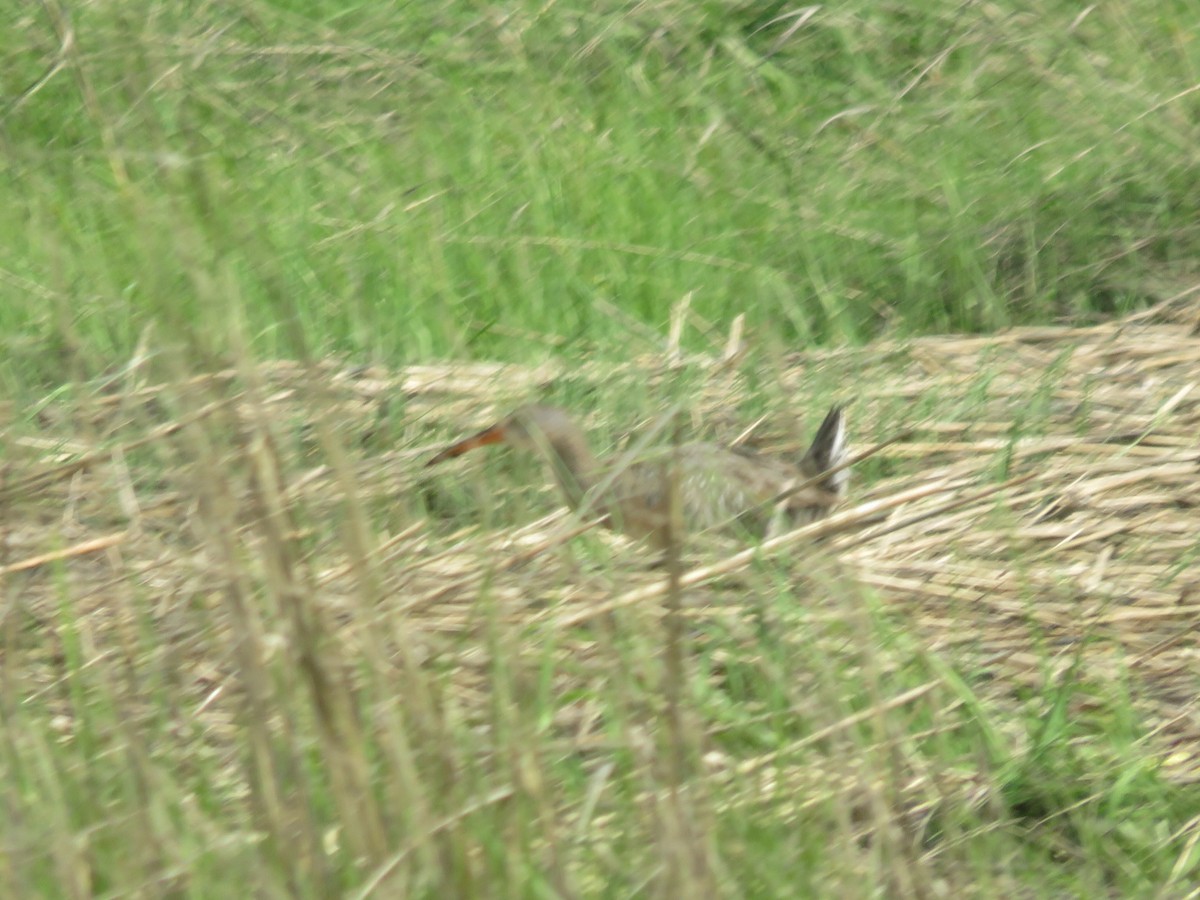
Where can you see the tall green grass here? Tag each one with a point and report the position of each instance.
(415, 181)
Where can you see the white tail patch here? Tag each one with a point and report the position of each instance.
(839, 481)
(828, 451)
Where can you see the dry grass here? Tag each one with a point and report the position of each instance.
(243, 565)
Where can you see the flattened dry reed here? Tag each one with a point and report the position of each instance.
(1044, 506)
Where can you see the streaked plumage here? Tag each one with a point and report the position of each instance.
(718, 486)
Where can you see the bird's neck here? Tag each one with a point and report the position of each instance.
(575, 468)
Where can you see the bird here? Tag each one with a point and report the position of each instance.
(719, 486)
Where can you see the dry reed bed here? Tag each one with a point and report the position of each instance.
(1042, 513)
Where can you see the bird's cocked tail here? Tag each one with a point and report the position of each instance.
(828, 451)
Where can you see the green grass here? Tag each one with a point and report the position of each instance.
(422, 182)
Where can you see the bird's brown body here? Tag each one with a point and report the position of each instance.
(718, 486)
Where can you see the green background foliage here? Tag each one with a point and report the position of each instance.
(411, 181)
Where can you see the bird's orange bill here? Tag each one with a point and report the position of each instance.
(493, 435)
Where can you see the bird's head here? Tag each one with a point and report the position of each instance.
(534, 427)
